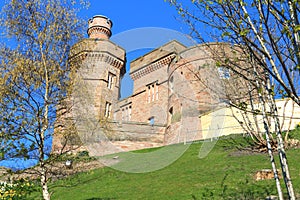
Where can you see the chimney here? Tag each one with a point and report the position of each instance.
(99, 27)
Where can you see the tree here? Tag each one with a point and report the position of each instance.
(268, 29)
(35, 76)
(269, 32)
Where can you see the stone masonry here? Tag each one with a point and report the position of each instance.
(173, 86)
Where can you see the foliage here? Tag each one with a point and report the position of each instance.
(35, 76)
(18, 189)
(83, 154)
(80, 156)
(268, 33)
(295, 133)
(269, 30)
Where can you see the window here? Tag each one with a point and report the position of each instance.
(152, 93)
(151, 121)
(171, 111)
(110, 80)
(126, 113)
(149, 94)
(107, 110)
(170, 115)
(156, 92)
(129, 113)
(172, 84)
(123, 114)
(224, 72)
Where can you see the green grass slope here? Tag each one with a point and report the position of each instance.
(221, 175)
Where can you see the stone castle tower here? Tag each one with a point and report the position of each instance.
(176, 88)
(101, 65)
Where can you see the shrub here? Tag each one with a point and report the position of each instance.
(19, 189)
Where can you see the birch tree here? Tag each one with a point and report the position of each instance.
(269, 32)
(35, 76)
(266, 28)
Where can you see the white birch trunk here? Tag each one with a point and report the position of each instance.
(281, 150)
(43, 177)
(267, 133)
(44, 181)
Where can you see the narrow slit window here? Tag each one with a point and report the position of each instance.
(149, 94)
(107, 110)
(156, 91)
(129, 113)
(153, 88)
(110, 80)
(171, 84)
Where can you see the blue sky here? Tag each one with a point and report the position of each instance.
(130, 14)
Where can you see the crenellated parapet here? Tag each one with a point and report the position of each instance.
(147, 69)
(101, 56)
(98, 50)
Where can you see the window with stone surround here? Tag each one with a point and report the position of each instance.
(123, 114)
(126, 113)
(156, 92)
(171, 84)
(152, 92)
(129, 113)
(107, 112)
(149, 94)
(110, 80)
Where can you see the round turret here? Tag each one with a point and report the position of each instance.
(99, 27)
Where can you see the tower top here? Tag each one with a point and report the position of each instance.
(99, 27)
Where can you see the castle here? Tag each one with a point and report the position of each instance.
(173, 87)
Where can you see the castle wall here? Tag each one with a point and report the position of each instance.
(151, 97)
(94, 86)
(179, 93)
(150, 75)
(189, 95)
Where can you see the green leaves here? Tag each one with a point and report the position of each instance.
(35, 75)
(297, 28)
(226, 34)
(243, 105)
(244, 32)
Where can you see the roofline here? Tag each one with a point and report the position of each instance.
(158, 48)
(102, 16)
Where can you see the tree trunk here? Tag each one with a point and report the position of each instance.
(281, 150)
(44, 180)
(44, 184)
(267, 134)
(290, 123)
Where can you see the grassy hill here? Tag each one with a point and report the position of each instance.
(224, 174)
